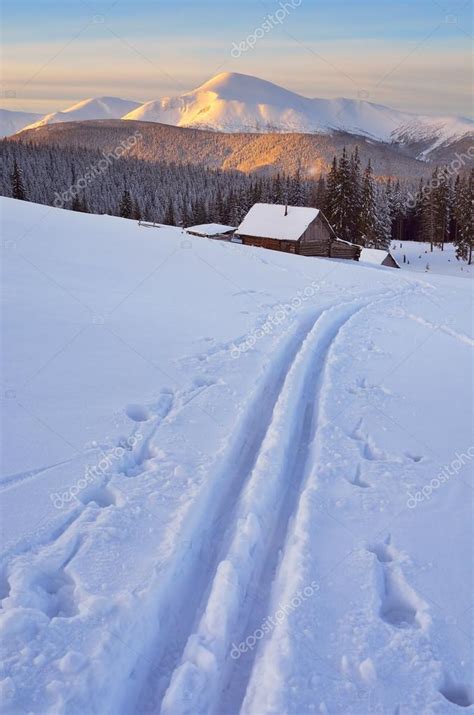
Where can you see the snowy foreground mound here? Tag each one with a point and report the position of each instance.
(233, 480)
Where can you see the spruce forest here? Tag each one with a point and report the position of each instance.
(361, 209)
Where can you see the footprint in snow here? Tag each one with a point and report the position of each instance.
(357, 481)
(459, 694)
(100, 495)
(137, 413)
(160, 408)
(368, 449)
(400, 606)
(384, 552)
(58, 588)
(414, 457)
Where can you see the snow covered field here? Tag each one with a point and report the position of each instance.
(421, 259)
(233, 480)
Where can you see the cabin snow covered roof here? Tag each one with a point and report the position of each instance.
(269, 221)
(210, 229)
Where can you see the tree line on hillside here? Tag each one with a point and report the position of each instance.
(361, 208)
(372, 213)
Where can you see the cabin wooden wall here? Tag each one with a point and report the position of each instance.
(271, 243)
(316, 239)
(339, 249)
(390, 261)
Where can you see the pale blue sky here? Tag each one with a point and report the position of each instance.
(410, 54)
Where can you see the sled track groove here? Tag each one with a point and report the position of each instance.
(216, 602)
(196, 577)
(243, 577)
(276, 410)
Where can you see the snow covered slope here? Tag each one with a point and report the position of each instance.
(232, 479)
(312, 153)
(12, 122)
(233, 102)
(420, 259)
(433, 133)
(95, 108)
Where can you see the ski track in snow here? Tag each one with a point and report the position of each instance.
(444, 328)
(235, 469)
(249, 529)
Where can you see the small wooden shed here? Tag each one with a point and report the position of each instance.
(379, 257)
(211, 230)
(294, 229)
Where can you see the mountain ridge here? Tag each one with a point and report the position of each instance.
(94, 108)
(250, 153)
(12, 121)
(232, 102)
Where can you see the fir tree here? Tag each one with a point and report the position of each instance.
(79, 204)
(228, 208)
(396, 209)
(368, 213)
(427, 218)
(320, 195)
(200, 213)
(383, 225)
(343, 204)
(76, 204)
(463, 212)
(417, 213)
(219, 208)
(17, 185)
(440, 208)
(331, 193)
(277, 190)
(135, 213)
(169, 219)
(126, 206)
(356, 195)
(186, 218)
(295, 190)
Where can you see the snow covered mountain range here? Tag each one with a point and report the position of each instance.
(13, 122)
(98, 108)
(235, 103)
(232, 102)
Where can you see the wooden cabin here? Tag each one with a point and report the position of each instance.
(294, 229)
